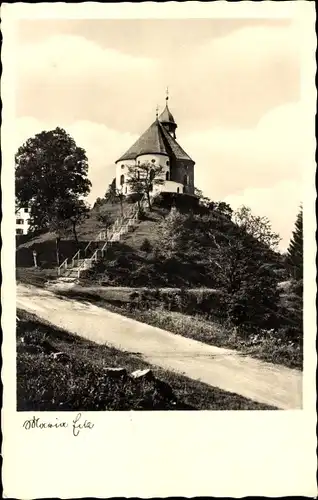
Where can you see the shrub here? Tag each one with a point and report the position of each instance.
(146, 246)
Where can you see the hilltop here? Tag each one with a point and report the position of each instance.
(44, 242)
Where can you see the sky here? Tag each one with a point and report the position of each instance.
(234, 88)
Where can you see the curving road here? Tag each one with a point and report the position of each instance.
(224, 368)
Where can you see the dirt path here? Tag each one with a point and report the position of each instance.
(224, 368)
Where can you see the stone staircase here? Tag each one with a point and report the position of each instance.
(84, 259)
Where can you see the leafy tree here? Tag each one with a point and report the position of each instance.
(239, 263)
(234, 261)
(65, 215)
(49, 167)
(99, 201)
(143, 179)
(51, 178)
(146, 246)
(75, 211)
(114, 195)
(294, 256)
(204, 201)
(222, 208)
(258, 227)
(105, 220)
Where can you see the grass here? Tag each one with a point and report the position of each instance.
(45, 245)
(79, 380)
(265, 346)
(146, 229)
(35, 276)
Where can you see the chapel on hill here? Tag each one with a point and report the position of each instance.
(158, 145)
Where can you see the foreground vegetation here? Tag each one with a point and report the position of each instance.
(77, 379)
(272, 347)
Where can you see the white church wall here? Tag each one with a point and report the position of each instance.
(156, 160)
(169, 187)
(122, 170)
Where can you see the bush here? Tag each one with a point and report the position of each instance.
(206, 303)
(255, 304)
(146, 246)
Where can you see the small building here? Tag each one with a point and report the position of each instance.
(22, 221)
(158, 146)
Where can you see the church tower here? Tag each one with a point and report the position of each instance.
(167, 120)
(158, 146)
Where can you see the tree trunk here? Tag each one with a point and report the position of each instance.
(57, 249)
(35, 259)
(75, 233)
(148, 198)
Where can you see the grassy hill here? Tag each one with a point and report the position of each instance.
(45, 245)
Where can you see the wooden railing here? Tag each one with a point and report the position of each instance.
(63, 266)
(119, 228)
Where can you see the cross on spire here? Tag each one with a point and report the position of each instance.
(167, 93)
(157, 111)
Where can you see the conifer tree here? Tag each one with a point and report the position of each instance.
(295, 249)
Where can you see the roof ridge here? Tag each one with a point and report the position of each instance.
(172, 140)
(155, 140)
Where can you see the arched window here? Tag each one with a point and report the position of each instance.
(167, 163)
(184, 189)
(185, 179)
(178, 190)
(126, 190)
(122, 179)
(167, 175)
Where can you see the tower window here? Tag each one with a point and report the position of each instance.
(167, 175)
(167, 163)
(26, 210)
(123, 166)
(185, 180)
(122, 179)
(126, 190)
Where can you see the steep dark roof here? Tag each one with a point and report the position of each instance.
(174, 147)
(155, 140)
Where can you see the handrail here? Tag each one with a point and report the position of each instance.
(64, 264)
(87, 247)
(77, 255)
(119, 227)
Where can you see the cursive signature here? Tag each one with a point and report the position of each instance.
(77, 424)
